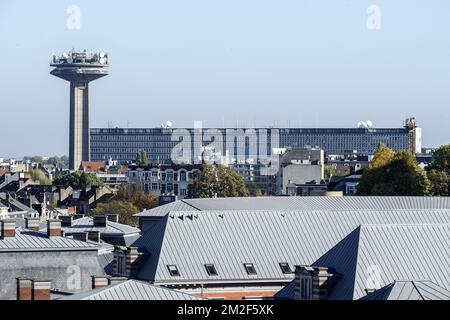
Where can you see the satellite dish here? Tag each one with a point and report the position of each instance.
(65, 55)
(102, 60)
(369, 123)
(168, 124)
(102, 54)
(359, 125)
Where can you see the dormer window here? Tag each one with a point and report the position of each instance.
(211, 269)
(251, 271)
(285, 268)
(173, 270)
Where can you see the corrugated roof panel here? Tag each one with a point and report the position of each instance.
(230, 238)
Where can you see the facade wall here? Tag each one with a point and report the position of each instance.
(123, 144)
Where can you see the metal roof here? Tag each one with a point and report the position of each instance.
(132, 290)
(228, 239)
(410, 290)
(301, 203)
(373, 256)
(27, 240)
(86, 224)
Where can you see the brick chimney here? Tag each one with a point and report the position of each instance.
(94, 236)
(66, 221)
(132, 256)
(126, 261)
(53, 228)
(41, 290)
(113, 217)
(80, 236)
(24, 291)
(100, 281)
(312, 283)
(8, 228)
(32, 224)
(99, 221)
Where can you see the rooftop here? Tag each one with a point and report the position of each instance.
(132, 290)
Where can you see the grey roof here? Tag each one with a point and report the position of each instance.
(86, 224)
(373, 256)
(132, 290)
(301, 203)
(410, 290)
(228, 239)
(27, 240)
(17, 205)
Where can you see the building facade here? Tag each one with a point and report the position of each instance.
(162, 179)
(123, 144)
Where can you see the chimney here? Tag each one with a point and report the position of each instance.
(80, 236)
(41, 290)
(99, 221)
(132, 256)
(320, 283)
(24, 291)
(128, 260)
(32, 224)
(66, 221)
(100, 282)
(53, 228)
(113, 218)
(94, 236)
(8, 228)
(303, 283)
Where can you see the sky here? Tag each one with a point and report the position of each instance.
(310, 63)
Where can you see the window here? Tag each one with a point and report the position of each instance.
(211, 269)
(250, 269)
(121, 267)
(285, 268)
(306, 288)
(173, 270)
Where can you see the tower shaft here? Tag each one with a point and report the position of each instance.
(79, 137)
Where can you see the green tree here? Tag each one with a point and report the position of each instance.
(440, 182)
(218, 181)
(124, 209)
(78, 180)
(328, 172)
(39, 176)
(441, 159)
(393, 174)
(142, 158)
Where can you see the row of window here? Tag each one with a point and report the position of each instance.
(212, 271)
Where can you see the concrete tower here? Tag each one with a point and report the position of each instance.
(79, 69)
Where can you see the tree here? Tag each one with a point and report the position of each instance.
(440, 183)
(441, 159)
(328, 172)
(144, 201)
(142, 158)
(218, 181)
(39, 176)
(78, 180)
(124, 209)
(393, 174)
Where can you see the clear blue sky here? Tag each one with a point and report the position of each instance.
(299, 63)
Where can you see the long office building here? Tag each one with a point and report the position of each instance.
(123, 144)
